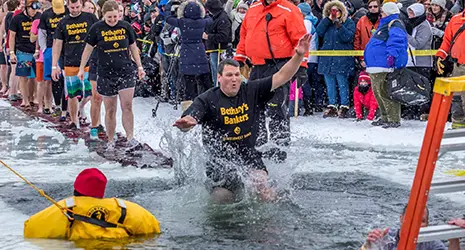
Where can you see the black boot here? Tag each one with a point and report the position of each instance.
(308, 108)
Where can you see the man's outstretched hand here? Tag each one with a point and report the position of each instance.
(185, 123)
(304, 45)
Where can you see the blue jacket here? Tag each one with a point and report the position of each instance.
(386, 42)
(336, 39)
(191, 22)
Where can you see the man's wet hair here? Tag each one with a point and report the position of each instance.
(225, 62)
(427, 212)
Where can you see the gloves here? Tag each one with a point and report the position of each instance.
(437, 32)
(301, 76)
(338, 23)
(440, 66)
(390, 61)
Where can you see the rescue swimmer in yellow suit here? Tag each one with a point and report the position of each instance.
(95, 217)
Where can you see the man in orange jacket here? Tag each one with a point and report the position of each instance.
(269, 33)
(457, 54)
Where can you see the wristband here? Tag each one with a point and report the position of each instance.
(12, 52)
(37, 51)
(54, 67)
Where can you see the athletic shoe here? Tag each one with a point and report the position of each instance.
(133, 145)
(94, 134)
(72, 126)
(46, 112)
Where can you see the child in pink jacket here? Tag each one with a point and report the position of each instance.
(364, 98)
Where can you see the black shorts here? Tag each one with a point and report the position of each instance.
(229, 177)
(2, 58)
(92, 70)
(111, 86)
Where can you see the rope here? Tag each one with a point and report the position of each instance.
(40, 191)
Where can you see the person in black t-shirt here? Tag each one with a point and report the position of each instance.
(229, 117)
(113, 40)
(22, 50)
(10, 77)
(70, 35)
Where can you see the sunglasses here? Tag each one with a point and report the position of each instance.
(35, 6)
(373, 7)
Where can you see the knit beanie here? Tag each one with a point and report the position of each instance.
(305, 8)
(441, 3)
(242, 5)
(391, 8)
(364, 77)
(91, 182)
(417, 8)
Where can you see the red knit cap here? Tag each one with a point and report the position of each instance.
(91, 182)
(364, 77)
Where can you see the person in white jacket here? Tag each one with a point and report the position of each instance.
(237, 16)
(314, 89)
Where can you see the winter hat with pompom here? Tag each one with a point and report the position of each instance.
(391, 8)
(364, 77)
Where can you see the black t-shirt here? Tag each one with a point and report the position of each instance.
(8, 18)
(112, 45)
(230, 124)
(48, 22)
(73, 31)
(22, 24)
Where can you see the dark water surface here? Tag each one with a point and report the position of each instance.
(331, 210)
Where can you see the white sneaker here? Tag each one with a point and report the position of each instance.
(133, 145)
(111, 146)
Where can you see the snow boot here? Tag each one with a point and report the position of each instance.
(331, 111)
(391, 125)
(379, 122)
(342, 112)
(185, 105)
(308, 108)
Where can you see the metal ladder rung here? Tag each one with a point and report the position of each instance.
(453, 147)
(454, 133)
(440, 232)
(447, 187)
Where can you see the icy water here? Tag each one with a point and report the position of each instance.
(328, 206)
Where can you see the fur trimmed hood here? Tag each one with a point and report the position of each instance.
(191, 9)
(340, 5)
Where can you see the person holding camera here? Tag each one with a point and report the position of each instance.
(451, 61)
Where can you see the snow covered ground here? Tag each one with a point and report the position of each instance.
(318, 145)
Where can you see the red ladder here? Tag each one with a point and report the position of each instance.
(442, 99)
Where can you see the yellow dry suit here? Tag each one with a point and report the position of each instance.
(109, 218)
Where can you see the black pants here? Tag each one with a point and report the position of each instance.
(276, 109)
(195, 85)
(59, 94)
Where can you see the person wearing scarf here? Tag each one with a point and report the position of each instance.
(438, 16)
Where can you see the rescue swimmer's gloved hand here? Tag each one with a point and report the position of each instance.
(301, 76)
(440, 65)
(390, 61)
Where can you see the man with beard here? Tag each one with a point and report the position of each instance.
(229, 115)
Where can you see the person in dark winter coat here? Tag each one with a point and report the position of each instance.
(338, 33)
(386, 51)
(356, 9)
(217, 34)
(193, 59)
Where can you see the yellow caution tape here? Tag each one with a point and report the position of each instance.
(456, 172)
(215, 50)
(360, 52)
(145, 41)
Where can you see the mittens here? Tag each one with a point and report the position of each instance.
(390, 61)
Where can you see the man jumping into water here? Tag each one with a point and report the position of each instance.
(229, 118)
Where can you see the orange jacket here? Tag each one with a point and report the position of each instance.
(363, 33)
(458, 51)
(285, 29)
